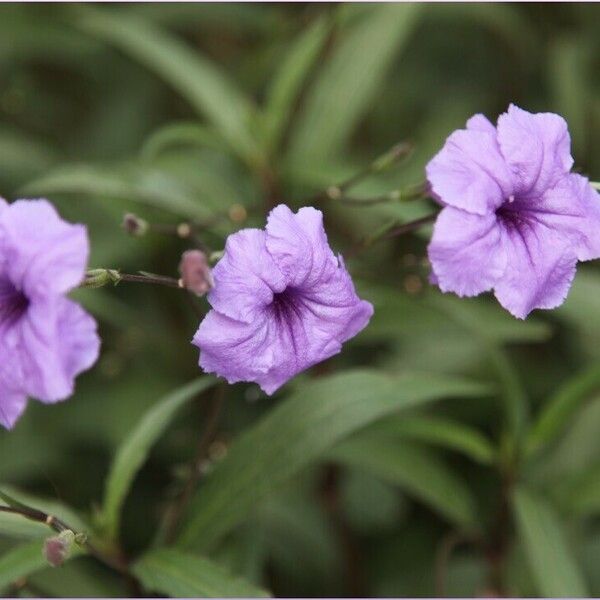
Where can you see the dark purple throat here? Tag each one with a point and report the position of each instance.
(13, 303)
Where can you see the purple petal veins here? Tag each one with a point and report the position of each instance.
(46, 340)
(515, 219)
(282, 302)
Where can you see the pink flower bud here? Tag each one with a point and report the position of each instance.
(195, 272)
(58, 548)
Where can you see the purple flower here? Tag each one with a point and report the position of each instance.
(282, 302)
(515, 219)
(45, 338)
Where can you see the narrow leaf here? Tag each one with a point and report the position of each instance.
(150, 186)
(182, 575)
(415, 469)
(193, 75)
(440, 432)
(553, 567)
(299, 431)
(349, 80)
(134, 450)
(177, 134)
(20, 562)
(290, 77)
(562, 405)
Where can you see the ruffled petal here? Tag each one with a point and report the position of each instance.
(235, 350)
(298, 244)
(541, 264)
(12, 406)
(246, 277)
(79, 344)
(43, 254)
(572, 207)
(480, 122)
(466, 252)
(469, 172)
(537, 147)
(337, 312)
(40, 356)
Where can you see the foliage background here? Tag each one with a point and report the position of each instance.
(181, 111)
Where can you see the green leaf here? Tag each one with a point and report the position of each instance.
(562, 405)
(580, 493)
(176, 134)
(416, 470)
(299, 431)
(553, 567)
(288, 80)
(20, 562)
(134, 451)
(440, 432)
(182, 575)
(194, 76)
(150, 186)
(349, 81)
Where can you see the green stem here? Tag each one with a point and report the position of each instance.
(96, 278)
(381, 163)
(54, 523)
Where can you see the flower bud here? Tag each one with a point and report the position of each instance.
(133, 225)
(195, 272)
(58, 548)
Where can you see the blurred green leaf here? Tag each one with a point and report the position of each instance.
(147, 185)
(553, 566)
(441, 432)
(182, 575)
(287, 82)
(134, 450)
(568, 66)
(297, 432)
(579, 494)
(562, 405)
(182, 133)
(349, 81)
(415, 469)
(21, 561)
(193, 75)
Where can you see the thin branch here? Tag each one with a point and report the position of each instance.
(381, 163)
(57, 525)
(403, 228)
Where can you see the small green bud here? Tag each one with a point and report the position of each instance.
(96, 278)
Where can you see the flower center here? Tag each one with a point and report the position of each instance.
(284, 304)
(13, 303)
(512, 214)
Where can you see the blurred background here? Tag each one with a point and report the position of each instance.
(214, 113)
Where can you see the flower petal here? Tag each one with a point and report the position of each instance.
(572, 207)
(480, 122)
(466, 252)
(79, 343)
(469, 172)
(246, 277)
(236, 350)
(298, 244)
(43, 254)
(272, 350)
(540, 267)
(537, 147)
(41, 361)
(12, 406)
